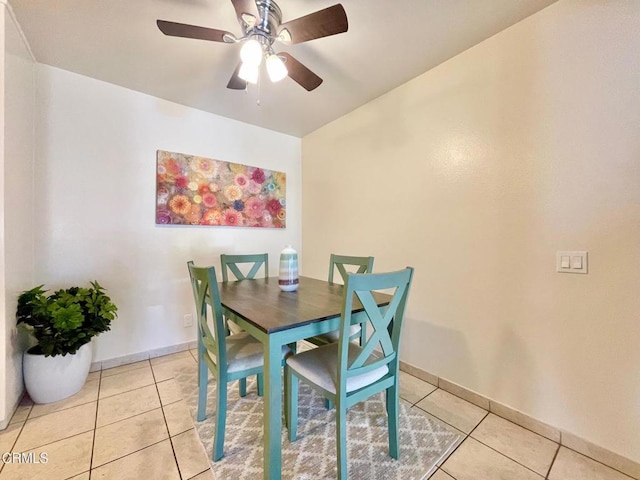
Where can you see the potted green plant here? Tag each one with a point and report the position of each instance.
(63, 324)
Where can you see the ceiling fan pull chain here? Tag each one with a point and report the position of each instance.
(258, 89)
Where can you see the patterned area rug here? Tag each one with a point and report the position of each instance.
(423, 440)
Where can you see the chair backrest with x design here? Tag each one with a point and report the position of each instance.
(207, 298)
(381, 348)
(364, 264)
(231, 262)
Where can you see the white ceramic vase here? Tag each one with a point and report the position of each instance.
(288, 273)
(49, 379)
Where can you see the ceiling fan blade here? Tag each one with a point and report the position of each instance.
(192, 31)
(323, 23)
(300, 74)
(247, 7)
(235, 82)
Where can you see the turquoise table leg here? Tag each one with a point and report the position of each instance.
(272, 410)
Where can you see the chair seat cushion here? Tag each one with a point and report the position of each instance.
(320, 366)
(245, 352)
(333, 337)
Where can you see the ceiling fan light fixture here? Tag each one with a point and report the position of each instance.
(251, 52)
(276, 68)
(249, 72)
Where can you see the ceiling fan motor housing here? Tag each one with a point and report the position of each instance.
(266, 27)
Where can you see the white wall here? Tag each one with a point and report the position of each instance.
(16, 201)
(95, 202)
(476, 173)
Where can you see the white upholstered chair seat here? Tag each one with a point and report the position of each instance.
(320, 366)
(245, 352)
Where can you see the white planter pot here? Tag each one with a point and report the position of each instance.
(49, 379)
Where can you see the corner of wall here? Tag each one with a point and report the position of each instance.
(17, 147)
(13, 18)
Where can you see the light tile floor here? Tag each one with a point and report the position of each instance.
(130, 422)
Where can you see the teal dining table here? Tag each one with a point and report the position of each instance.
(278, 318)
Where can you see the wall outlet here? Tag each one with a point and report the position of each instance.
(188, 320)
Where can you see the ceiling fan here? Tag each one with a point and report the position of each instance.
(261, 23)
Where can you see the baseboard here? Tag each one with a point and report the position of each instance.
(567, 439)
(6, 422)
(138, 357)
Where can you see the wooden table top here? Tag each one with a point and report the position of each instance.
(263, 304)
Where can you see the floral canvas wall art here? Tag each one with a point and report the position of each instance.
(194, 190)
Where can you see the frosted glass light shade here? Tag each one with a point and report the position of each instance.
(249, 72)
(276, 68)
(251, 52)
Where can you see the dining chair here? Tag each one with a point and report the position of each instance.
(339, 262)
(232, 262)
(346, 373)
(228, 357)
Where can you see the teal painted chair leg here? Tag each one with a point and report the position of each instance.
(286, 400)
(291, 399)
(387, 401)
(260, 381)
(341, 440)
(328, 404)
(392, 419)
(203, 373)
(242, 386)
(221, 419)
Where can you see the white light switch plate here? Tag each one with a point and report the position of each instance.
(571, 262)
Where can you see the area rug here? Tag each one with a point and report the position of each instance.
(424, 441)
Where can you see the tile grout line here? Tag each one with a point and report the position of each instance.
(166, 424)
(199, 473)
(95, 426)
(90, 401)
(127, 391)
(489, 411)
(94, 429)
(450, 455)
(501, 453)
(140, 449)
(132, 415)
(2, 464)
(52, 441)
(497, 451)
(147, 446)
(600, 463)
(513, 459)
(148, 364)
(469, 435)
(552, 462)
(422, 398)
(447, 423)
(587, 455)
(127, 455)
(448, 474)
(466, 435)
(526, 428)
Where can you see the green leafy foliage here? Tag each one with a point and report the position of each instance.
(65, 320)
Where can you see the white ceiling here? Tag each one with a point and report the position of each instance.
(388, 43)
